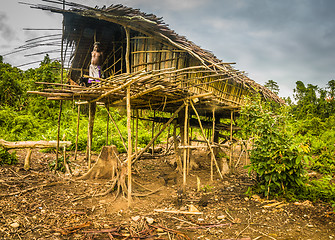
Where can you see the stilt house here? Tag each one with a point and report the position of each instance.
(148, 66)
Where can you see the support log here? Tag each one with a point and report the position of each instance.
(27, 160)
(91, 116)
(185, 144)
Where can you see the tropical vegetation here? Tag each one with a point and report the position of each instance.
(293, 145)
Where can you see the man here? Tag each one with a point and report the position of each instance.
(96, 61)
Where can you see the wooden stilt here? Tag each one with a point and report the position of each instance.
(136, 136)
(167, 140)
(212, 160)
(153, 134)
(91, 115)
(204, 136)
(77, 136)
(61, 79)
(107, 126)
(188, 153)
(129, 146)
(231, 140)
(128, 119)
(185, 144)
(58, 131)
(176, 150)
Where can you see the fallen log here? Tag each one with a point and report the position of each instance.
(30, 145)
(33, 144)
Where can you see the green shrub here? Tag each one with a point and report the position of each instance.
(60, 164)
(321, 189)
(276, 160)
(7, 158)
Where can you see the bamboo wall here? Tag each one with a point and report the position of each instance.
(147, 54)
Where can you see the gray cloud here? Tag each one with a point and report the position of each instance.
(5, 30)
(286, 41)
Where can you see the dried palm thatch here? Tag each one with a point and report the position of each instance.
(164, 68)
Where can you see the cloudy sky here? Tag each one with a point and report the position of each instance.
(285, 41)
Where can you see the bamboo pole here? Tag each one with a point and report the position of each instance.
(77, 135)
(128, 118)
(58, 132)
(61, 102)
(231, 139)
(185, 144)
(136, 136)
(129, 146)
(152, 134)
(91, 115)
(188, 144)
(204, 136)
(212, 160)
(107, 126)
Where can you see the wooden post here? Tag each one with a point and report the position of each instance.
(91, 115)
(153, 134)
(61, 79)
(107, 126)
(185, 144)
(231, 139)
(136, 136)
(212, 159)
(58, 131)
(78, 118)
(128, 118)
(27, 160)
(167, 141)
(188, 162)
(129, 145)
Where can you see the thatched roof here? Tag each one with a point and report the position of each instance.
(201, 72)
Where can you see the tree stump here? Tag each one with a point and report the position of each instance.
(108, 166)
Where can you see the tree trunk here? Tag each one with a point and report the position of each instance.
(106, 165)
(109, 166)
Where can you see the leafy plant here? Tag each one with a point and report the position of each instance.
(7, 158)
(206, 188)
(320, 189)
(60, 164)
(276, 160)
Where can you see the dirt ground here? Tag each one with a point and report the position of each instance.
(38, 204)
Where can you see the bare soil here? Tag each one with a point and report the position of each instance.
(40, 204)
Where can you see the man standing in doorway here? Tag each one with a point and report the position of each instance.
(96, 61)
